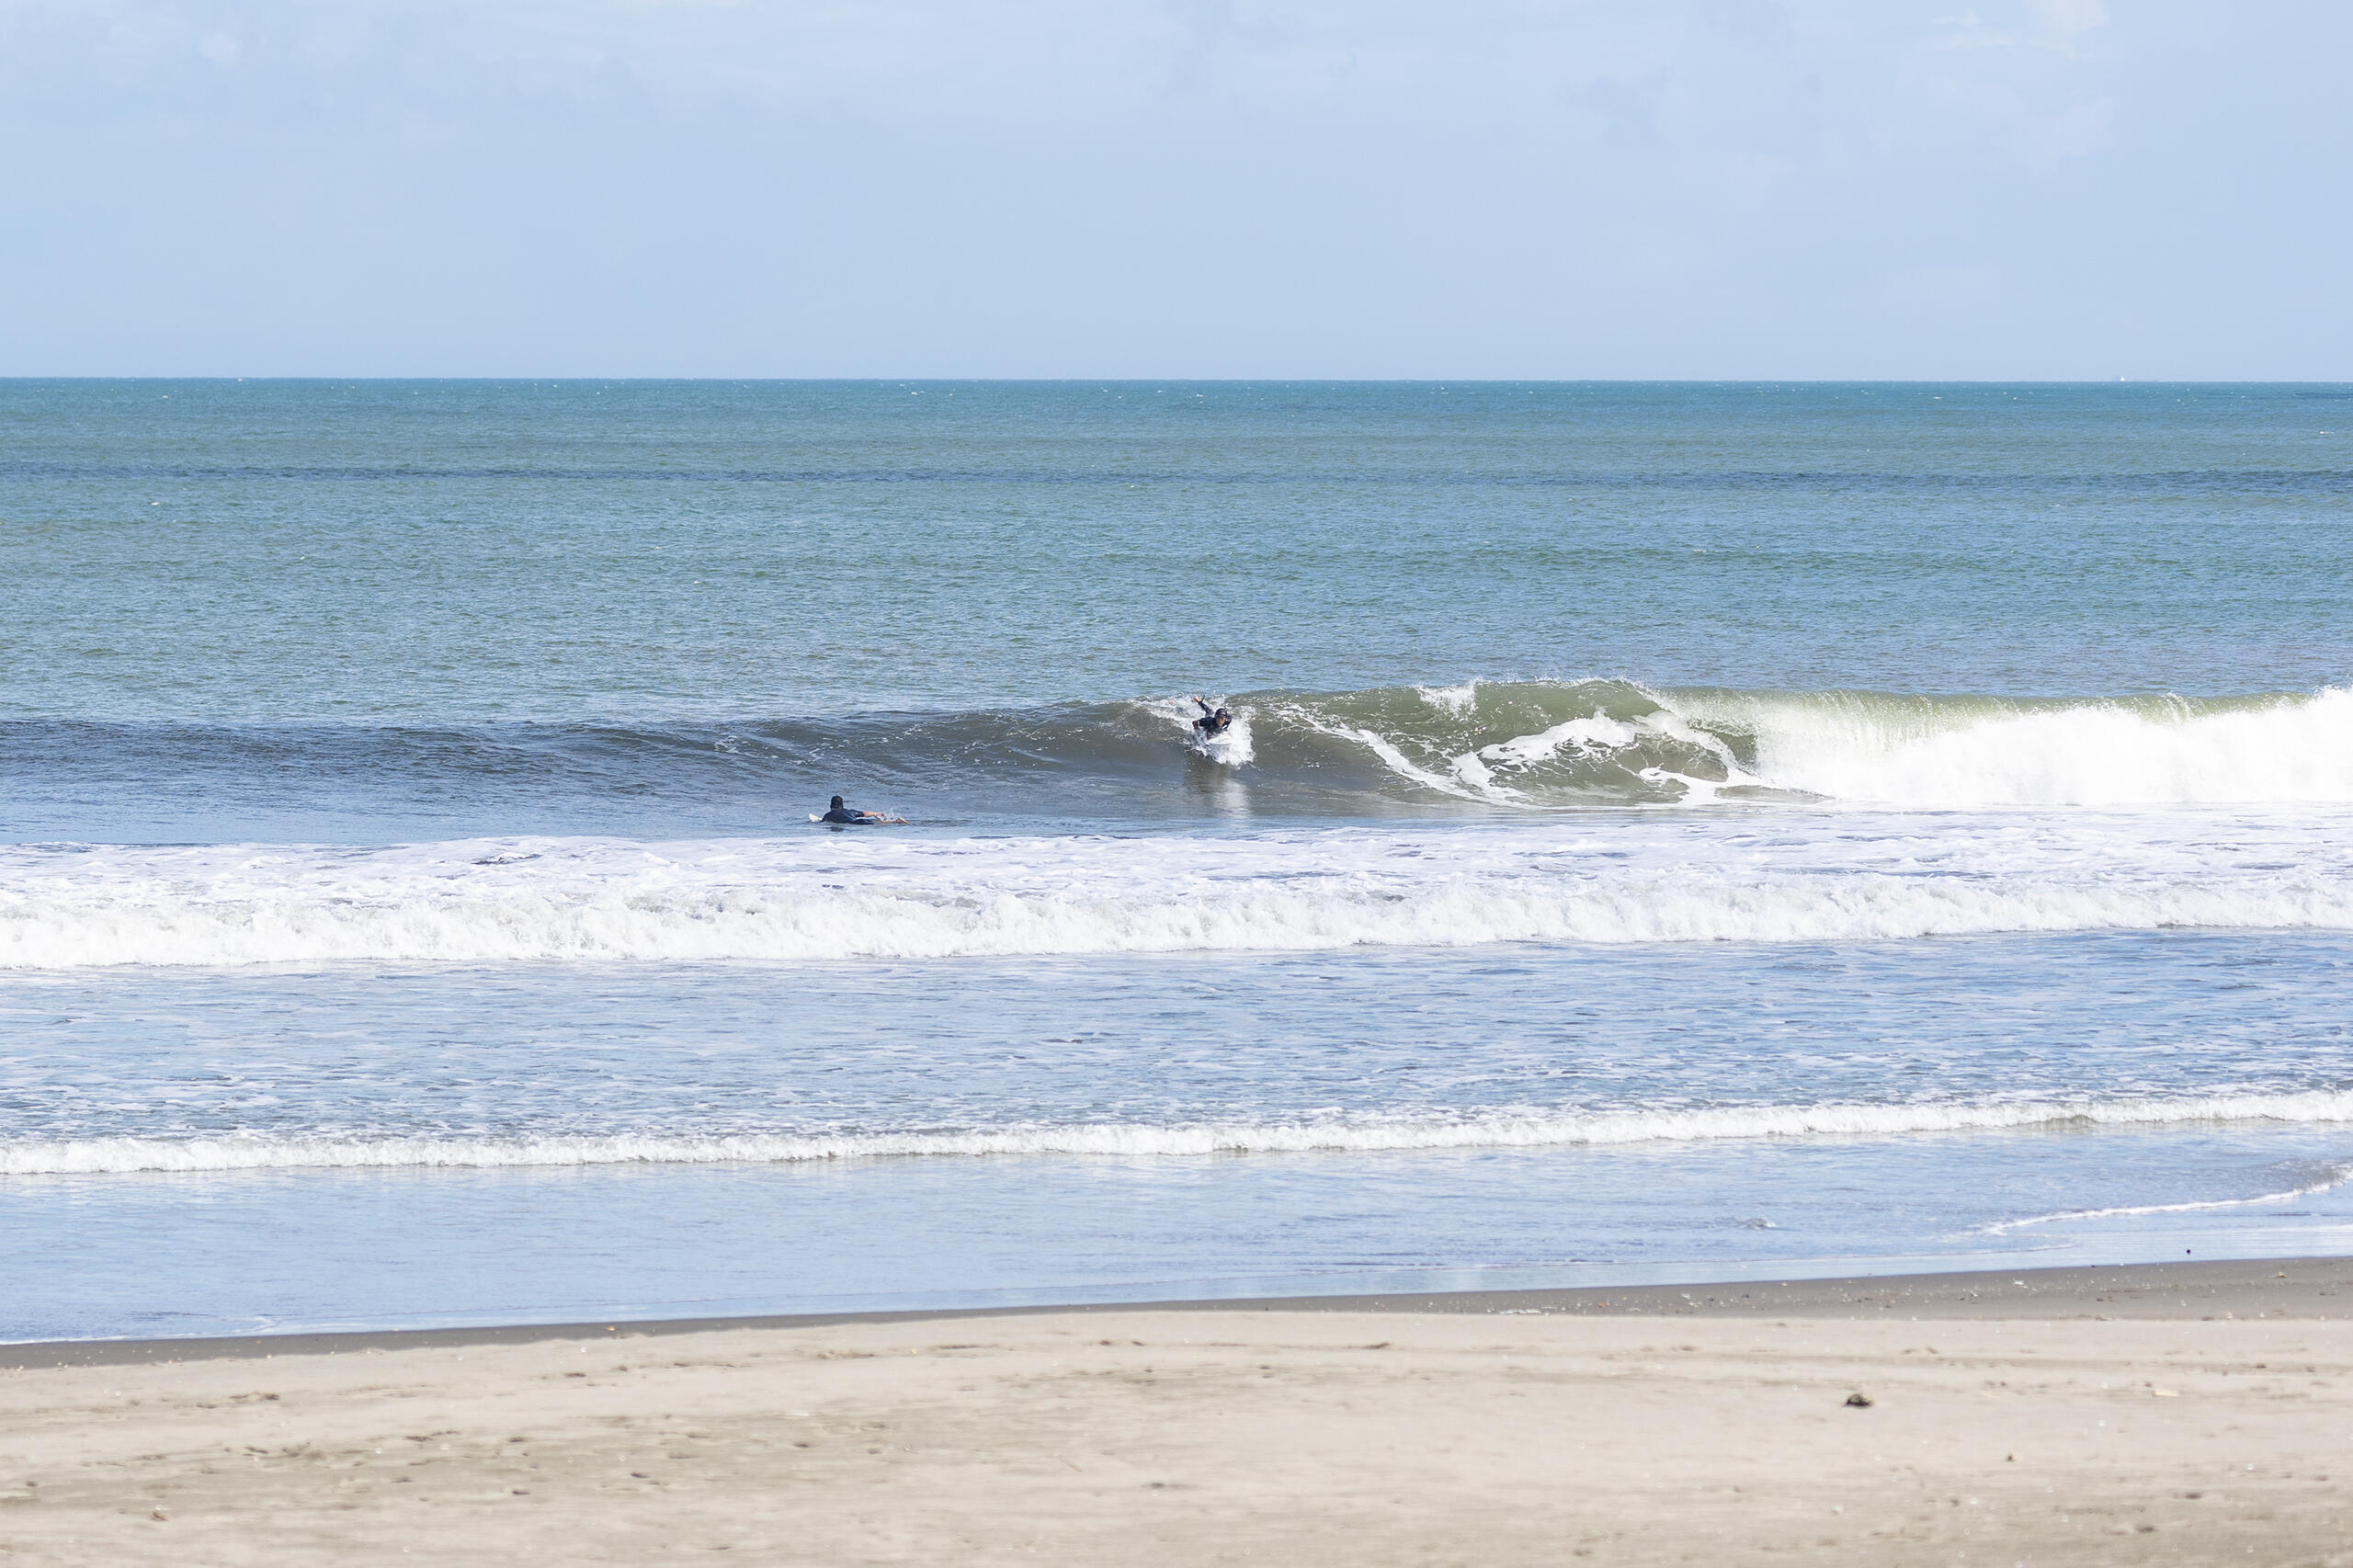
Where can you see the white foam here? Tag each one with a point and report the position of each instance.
(1599, 732)
(1957, 753)
(1463, 786)
(1233, 748)
(1939, 753)
(1454, 702)
(1600, 735)
(1475, 773)
(1669, 877)
(257, 1153)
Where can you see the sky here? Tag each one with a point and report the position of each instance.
(2045, 189)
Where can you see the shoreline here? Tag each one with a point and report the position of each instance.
(2070, 1418)
(2239, 1289)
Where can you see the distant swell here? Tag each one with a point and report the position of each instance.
(256, 1153)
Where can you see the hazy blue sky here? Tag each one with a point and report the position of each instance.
(2033, 188)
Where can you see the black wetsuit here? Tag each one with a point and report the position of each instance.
(845, 813)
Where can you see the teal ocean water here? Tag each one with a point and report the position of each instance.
(1668, 831)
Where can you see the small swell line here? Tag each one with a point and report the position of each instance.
(241, 1153)
(2337, 1176)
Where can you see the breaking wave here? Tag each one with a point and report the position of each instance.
(1509, 746)
(261, 1153)
(1955, 752)
(2143, 814)
(1607, 742)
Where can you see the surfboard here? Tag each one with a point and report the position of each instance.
(1229, 747)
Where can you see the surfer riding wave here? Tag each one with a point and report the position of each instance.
(1214, 722)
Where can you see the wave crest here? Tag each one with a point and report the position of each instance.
(1480, 746)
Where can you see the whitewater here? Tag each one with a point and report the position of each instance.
(1643, 879)
(1665, 747)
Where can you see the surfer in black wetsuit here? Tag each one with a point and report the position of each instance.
(841, 813)
(1214, 722)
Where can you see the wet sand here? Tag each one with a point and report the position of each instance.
(2184, 1412)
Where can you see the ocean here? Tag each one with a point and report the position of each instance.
(1670, 832)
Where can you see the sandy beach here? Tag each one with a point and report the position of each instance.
(2179, 1413)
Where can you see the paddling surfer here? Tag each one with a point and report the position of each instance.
(840, 814)
(1214, 722)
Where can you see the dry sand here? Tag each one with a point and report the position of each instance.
(2010, 1423)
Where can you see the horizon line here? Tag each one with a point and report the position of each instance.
(1227, 380)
